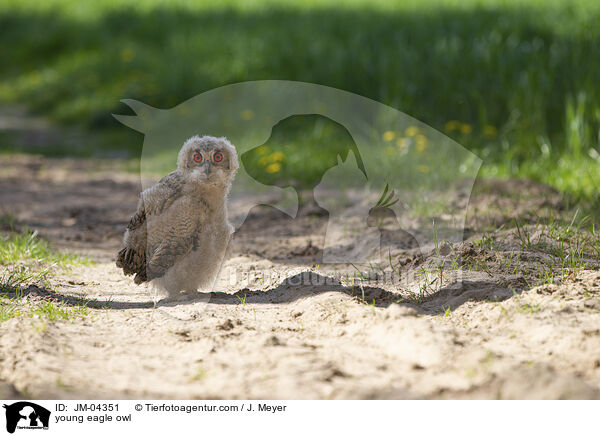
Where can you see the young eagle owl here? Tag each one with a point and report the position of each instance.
(177, 238)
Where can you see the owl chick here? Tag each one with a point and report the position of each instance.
(177, 238)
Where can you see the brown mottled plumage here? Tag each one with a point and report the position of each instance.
(177, 237)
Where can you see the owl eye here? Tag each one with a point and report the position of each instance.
(218, 157)
(197, 157)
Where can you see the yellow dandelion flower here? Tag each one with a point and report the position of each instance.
(247, 115)
(273, 168)
(490, 131)
(451, 126)
(402, 142)
(126, 55)
(423, 168)
(264, 161)
(421, 141)
(411, 131)
(465, 128)
(276, 156)
(389, 135)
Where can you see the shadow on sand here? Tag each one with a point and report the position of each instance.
(300, 286)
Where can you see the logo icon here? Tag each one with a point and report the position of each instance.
(26, 415)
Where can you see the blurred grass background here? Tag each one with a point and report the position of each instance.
(516, 82)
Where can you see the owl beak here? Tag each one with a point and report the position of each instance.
(206, 167)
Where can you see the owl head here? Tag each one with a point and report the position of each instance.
(211, 160)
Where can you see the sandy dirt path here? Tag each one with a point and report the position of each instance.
(493, 335)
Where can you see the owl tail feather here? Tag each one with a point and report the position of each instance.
(132, 262)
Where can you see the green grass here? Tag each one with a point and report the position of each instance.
(25, 260)
(198, 375)
(13, 303)
(549, 251)
(16, 277)
(514, 81)
(43, 310)
(57, 311)
(568, 246)
(27, 246)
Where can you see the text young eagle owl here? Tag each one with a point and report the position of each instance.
(178, 236)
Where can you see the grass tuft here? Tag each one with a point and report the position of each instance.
(27, 260)
(27, 246)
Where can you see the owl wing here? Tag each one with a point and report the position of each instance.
(180, 239)
(153, 201)
(158, 198)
